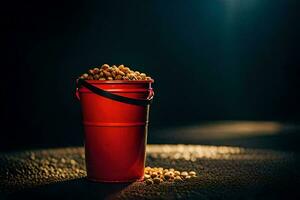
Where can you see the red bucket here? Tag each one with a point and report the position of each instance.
(115, 118)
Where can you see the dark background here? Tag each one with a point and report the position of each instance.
(211, 60)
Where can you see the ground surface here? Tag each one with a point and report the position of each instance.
(224, 173)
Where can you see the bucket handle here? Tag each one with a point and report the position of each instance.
(103, 93)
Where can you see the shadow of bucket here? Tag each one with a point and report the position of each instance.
(115, 118)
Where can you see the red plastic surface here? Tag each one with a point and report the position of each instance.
(115, 132)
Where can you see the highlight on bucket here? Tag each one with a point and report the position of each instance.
(115, 103)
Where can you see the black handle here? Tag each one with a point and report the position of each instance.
(103, 93)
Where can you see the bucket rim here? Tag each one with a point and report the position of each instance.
(120, 81)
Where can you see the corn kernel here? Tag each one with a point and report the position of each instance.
(149, 181)
(157, 180)
(192, 173)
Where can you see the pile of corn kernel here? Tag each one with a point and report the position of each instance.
(158, 175)
(106, 72)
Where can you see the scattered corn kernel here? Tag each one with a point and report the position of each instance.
(177, 173)
(147, 176)
(149, 181)
(184, 174)
(192, 173)
(154, 174)
(157, 180)
(167, 176)
(177, 179)
(158, 175)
